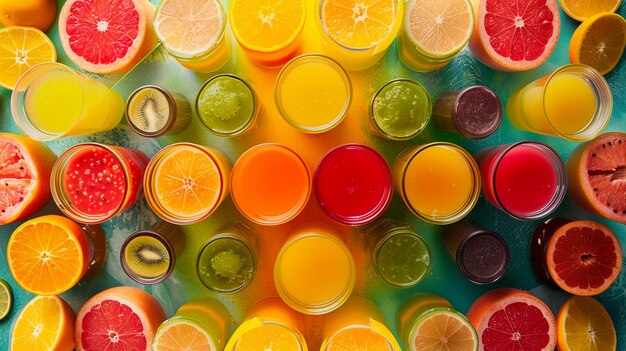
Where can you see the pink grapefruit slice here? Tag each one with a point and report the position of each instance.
(509, 319)
(514, 36)
(120, 318)
(107, 36)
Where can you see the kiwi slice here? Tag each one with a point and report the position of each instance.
(148, 110)
(147, 257)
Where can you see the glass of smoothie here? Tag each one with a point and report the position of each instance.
(353, 184)
(400, 256)
(481, 255)
(510, 186)
(474, 112)
(153, 111)
(439, 182)
(228, 106)
(92, 183)
(227, 263)
(399, 110)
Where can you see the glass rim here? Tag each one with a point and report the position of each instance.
(324, 307)
(171, 118)
(304, 59)
(328, 341)
(168, 247)
(463, 269)
(455, 107)
(364, 218)
(561, 174)
(379, 245)
(470, 202)
(375, 123)
(249, 120)
(602, 114)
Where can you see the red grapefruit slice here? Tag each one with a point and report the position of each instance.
(120, 318)
(25, 166)
(584, 257)
(597, 176)
(514, 36)
(107, 36)
(508, 319)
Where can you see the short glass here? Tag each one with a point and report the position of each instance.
(357, 58)
(508, 184)
(228, 106)
(148, 256)
(474, 112)
(357, 313)
(400, 256)
(227, 263)
(574, 103)
(327, 286)
(313, 93)
(92, 183)
(400, 110)
(162, 205)
(439, 182)
(48, 91)
(153, 111)
(482, 256)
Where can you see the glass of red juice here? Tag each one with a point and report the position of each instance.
(353, 184)
(527, 180)
(92, 183)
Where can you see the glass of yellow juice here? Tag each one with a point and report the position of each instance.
(358, 33)
(52, 101)
(574, 102)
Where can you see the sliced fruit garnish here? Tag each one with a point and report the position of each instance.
(584, 324)
(582, 9)
(269, 337)
(444, 331)
(20, 49)
(6, 299)
(599, 42)
(182, 335)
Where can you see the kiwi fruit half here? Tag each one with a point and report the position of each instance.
(146, 257)
(148, 110)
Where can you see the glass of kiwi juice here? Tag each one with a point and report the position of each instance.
(152, 111)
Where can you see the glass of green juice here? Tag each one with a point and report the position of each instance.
(228, 106)
(227, 262)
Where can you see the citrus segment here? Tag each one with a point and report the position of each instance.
(267, 25)
(6, 299)
(584, 257)
(584, 324)
(45, 323)
(269, 337)
(48, 255)
(599, 42)
(358, 24)
(189, 28)
(182, 335)
(444, 330)
(20, 49)
(440, 27)
(358, 339)
(582, 9)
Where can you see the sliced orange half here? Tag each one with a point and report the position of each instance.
(584, 324)
(599, 42)
(20, 49)
(175, 335)
(444, 330)
(583, 9)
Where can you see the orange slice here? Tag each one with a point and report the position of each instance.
(359, 24)
(599, 42)
(266, 25)
(272, 337)
(358, 339)
(48, 255)
(45, 323)
(444, 330)
(583, 9)
(20, 49)
(584, 324)
(175, 335)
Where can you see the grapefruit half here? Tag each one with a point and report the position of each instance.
(107, 36)
(514, 36)
(511, 319)
(25, 166)
(120, 318)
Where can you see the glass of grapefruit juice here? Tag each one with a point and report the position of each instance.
(574, 103)
(52, 101)
(92, 183)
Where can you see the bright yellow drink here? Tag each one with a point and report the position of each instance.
(52, 101)
(313, 93)
(574, 102)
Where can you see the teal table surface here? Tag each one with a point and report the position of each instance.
(443, 279)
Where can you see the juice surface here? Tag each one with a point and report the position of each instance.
(438, 181)
(570, 103)
(402, 109)
(226, 264)
(225, 105)
(403, 259)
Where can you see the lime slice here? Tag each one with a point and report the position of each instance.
(6, 299)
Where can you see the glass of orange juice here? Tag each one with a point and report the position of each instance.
(574, 102)
(314, 272)
(269, 325)
(439, 182)
(48, 91)
(357, 321)
(358, 33)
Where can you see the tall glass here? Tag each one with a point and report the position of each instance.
(153, 111)
(52, 101)
(574, 103)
